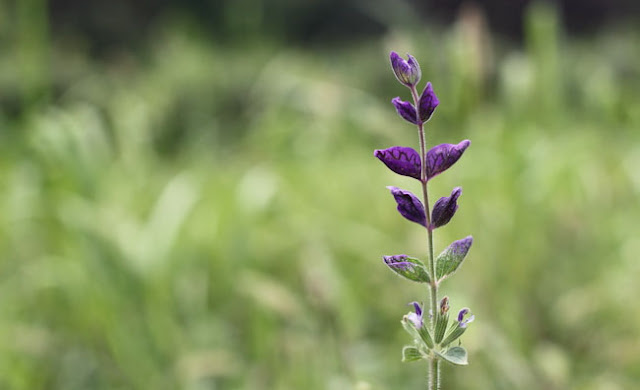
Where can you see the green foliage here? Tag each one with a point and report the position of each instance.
(416, 271)
(210, 217)
(455, 355)
(411, 354)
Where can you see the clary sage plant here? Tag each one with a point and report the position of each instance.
(434, 335)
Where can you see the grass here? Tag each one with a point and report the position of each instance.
(212, 217)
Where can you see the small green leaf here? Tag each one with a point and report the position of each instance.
(451, 258)
(408, 267)
(411, 354)
(408, 326)
(453, 335)
(442, 320)
(426, 336)
(455, 355)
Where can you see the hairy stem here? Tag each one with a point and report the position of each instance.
(434, 371)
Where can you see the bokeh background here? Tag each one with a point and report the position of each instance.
(188, 196)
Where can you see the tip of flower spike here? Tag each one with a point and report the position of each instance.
(407, 71)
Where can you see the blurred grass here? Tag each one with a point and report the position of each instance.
(212, 217)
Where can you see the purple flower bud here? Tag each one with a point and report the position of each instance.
(445, 208)
(428, 103)
(442, 157)
(405, 109)
(407, 71)
(409, 206)
(402, 160)
(461, 321)
(416, 318)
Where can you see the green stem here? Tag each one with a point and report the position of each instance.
(434, 369)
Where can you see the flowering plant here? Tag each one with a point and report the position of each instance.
(434, 335)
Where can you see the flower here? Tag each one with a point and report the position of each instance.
(416, 317)
(445, 208)
(407, 71)
(401, 160)
(409, 205)
(442, 157)
(405, 109)
(428, 103)
(462, 314)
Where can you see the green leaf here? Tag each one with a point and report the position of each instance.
(455, 355)
(411, 354)
(426, 336)
(442, 320)
(408, 267)
(453, 335)
(451, 258)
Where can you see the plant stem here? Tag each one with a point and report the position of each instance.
(434, 368)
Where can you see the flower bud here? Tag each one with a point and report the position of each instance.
(402, 160)
(444, 305)
(407, 71)
(409, 206)
(445, 208)
(405, 109)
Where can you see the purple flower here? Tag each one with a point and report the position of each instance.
(428, 103)
(461, 315)
(405, 109)
(416, 318)
(402, 160)
(445, 208)
(407, 71)
(409, 206)
(442, 157)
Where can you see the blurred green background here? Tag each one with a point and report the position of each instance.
(189, 200)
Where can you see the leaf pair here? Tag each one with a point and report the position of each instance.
(447, 263)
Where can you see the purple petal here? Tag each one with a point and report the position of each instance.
(417, 308)
(461, 321)
(416, 317)
(409, 206)
(405, 109)
(445, 208)
(402, 160)
(442, 157)
(462, 313)
(407, 72)
(428, 103)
